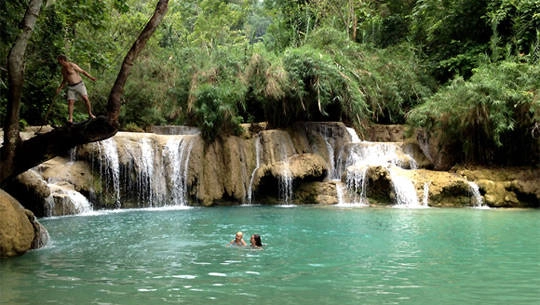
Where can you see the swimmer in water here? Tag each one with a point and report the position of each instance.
(255, 241)
(238, 240)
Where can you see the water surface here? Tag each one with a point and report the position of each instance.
(312, 255)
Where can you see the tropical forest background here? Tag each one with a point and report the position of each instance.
(468, 71)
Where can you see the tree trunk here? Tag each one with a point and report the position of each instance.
(15, 87)
(18, 156)
(114, 102)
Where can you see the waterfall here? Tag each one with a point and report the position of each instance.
(65, 201)
(477, 199)
(425, 197)
(176, 155)
(73, 154)
(257, 165)
(356, 182)
(285, 185)
(354, 135)
(363, 155)
(109, 167)
(153, 172)
(339, 193)
(404, 190)
(332, 174)
(145, 178)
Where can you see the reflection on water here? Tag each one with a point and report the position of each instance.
(312, 255)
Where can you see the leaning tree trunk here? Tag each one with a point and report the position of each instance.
(21, 156)
(114, 102)
(15, 87)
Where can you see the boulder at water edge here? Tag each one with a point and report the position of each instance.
(19, 230)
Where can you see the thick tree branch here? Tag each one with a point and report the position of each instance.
(114, 102)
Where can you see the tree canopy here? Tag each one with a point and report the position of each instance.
(466, 67)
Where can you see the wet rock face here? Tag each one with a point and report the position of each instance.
(19, 231)
(315, 163)
(298, 170)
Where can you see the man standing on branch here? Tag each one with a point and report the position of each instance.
(71, 76)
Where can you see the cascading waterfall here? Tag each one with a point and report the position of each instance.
(478, 201)
(425, 197)
(176, 155)
(257, 165)
(404, 190)
(354, 136)
(363, 154)
(154, 168)
(73, 154)
(145, 179)
(244, 173)
(65, 201)
(139, 177)
(110, 167)
(285, 186)
(332, 168)
(356, 183)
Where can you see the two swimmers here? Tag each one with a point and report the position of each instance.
(255, 241)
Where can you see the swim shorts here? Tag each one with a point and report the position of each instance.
(76, 90)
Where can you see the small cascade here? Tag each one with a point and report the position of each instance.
(73, 154)
(354, 135)
(329, 139)
(405, 190)
(109, 167)
(425, 197)
(285, 185)
(244, 173)
(339, 194)
(145, 179)
(65, 201)
(356, 182)
(363, 155)
(477, 200)
(332, 173)
(257, 165)
(176, 155)
(153, 170)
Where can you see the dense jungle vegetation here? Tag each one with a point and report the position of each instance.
(468, 71)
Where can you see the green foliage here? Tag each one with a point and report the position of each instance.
(488, 113)
(390, 81)
(216, 64)
(452, 34)
(515, 23)
(216, 110)
(319, 88)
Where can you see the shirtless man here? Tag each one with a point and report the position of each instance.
(238, 240)
(71, 76)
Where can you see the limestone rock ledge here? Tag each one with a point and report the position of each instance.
(19, 229)
(312, 158)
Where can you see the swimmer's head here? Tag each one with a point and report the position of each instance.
(239, 235)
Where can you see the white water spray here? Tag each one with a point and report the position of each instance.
(110, 167)
(477, 199)
(404, 190)
(257, 165)
(425, 197)
(176, 155)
